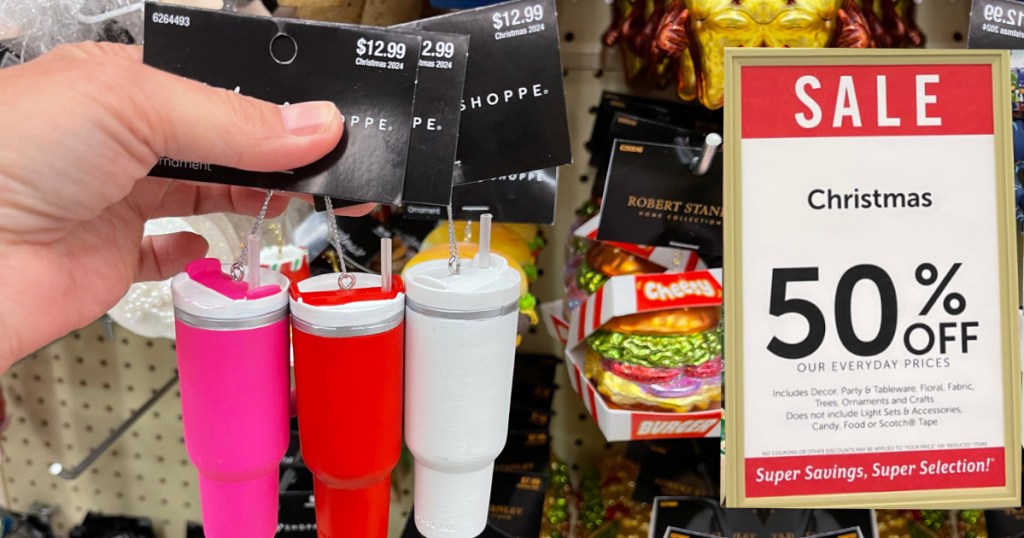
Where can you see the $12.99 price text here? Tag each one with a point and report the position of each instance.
(380, 49)
(919, 338)
(516, 17)
(437, 49)
(1009, 16)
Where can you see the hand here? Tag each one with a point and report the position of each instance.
(80, 129)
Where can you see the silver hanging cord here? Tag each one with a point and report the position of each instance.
(454, 262)
(346, 279)
(237, 268)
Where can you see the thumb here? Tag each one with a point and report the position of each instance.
(163, 256)
(186, 120)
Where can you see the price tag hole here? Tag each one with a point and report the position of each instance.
(283, 49)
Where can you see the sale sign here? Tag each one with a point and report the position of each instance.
(870, 294)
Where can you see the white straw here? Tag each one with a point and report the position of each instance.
(252, 273)
(385, 264)
(485, 241)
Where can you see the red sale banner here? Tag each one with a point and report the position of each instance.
(883, 471)
(867, 100)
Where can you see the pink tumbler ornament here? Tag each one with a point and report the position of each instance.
(232, 343)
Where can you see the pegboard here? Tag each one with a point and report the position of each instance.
(67, 397)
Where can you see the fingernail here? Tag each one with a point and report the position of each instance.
(306, 119)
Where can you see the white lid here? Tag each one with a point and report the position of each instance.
(353, 314)
(431, 284)
(451, 505)
(198, 300)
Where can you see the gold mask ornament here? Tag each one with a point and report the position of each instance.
(687, 38)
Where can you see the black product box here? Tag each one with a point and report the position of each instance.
(653, 198)
(525, 451)
(522, 418)
(531, 395)
(676, 468)
(1008, 523)
(536, 369)
(705, 515)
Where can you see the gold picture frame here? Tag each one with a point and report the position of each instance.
(734, 487)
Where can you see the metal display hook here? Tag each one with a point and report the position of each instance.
(80, 16)
(58, 470)
(107, 15)
(701, 163)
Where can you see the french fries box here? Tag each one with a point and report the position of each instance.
(632, 294)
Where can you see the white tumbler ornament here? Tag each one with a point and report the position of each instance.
(460, 350)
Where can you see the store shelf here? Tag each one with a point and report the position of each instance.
(67, 397)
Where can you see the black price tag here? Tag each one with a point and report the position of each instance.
(370, 73)
(527, 197)
(653, 198)
(996, 24)
(617, 102)
(513, 106)
(436, 113)
(630, 127)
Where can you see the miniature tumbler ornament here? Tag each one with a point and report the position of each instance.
(348, 381)
(232, 343)
(461, 335)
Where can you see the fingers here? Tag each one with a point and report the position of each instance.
(357, 210)
(163, 256)
(183, 198)
(192, 122)
(189, 121)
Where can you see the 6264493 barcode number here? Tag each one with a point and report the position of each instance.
(176, 20)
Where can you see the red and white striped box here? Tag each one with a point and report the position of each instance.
(633, 294)
(551, 313)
